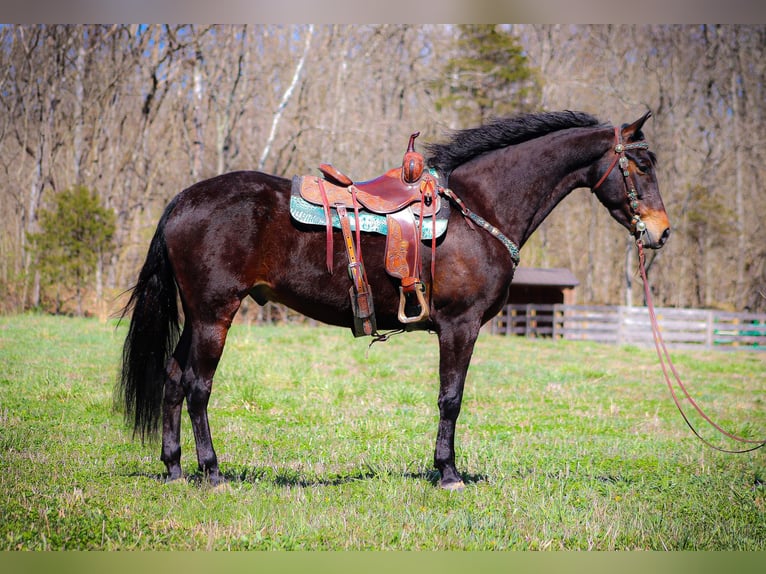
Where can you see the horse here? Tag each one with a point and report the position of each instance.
(231, 236)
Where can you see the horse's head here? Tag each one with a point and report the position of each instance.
(630, 192)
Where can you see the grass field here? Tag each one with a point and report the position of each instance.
(328, 445)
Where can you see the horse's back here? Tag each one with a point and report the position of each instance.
(232, 189)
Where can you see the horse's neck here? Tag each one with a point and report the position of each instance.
(519, 186)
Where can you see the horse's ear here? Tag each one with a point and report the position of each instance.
(632, 132)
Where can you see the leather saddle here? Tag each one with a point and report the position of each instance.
(408, 197)
(385, 194)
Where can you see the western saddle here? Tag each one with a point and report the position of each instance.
(406, 196)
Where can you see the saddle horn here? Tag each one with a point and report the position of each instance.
(413, 162)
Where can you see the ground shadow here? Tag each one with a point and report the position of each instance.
(295, 478)
(302, 479)
(433, 477)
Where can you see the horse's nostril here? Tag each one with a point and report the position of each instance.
(665, 236)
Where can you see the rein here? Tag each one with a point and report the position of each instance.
(662, 354)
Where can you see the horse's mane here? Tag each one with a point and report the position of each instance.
(466, 144)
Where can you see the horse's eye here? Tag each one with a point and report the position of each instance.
(642, 167)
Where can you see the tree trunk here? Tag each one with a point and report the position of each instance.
(286, 99)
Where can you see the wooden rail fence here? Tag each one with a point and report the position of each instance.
(680, 328)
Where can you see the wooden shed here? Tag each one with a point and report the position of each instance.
(538, 286)
(533, 293)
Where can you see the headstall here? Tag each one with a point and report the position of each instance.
(620, 157)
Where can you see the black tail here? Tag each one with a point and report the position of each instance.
(152, 336)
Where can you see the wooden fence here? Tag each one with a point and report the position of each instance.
(680, 328)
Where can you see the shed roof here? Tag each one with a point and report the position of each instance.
(558, 277)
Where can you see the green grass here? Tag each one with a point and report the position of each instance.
(328, 445)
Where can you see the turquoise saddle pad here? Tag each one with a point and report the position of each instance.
(310, 214)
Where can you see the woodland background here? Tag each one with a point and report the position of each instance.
(112, 121)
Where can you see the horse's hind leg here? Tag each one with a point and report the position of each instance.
(207, 341)
(171, 407)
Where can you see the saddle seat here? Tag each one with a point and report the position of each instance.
(387, 193)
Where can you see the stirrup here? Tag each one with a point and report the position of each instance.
(420, 294)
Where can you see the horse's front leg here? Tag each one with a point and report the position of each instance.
(456, 344)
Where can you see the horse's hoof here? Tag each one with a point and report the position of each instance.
(174, 474)
(217, 481)
(455, 486)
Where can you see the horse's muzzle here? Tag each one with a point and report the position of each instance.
(653, 240)
(656, 230)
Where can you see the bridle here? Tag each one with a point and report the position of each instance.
(638, 227)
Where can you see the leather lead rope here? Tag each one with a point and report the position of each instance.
(662, 353)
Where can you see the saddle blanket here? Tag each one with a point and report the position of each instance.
(310, 214)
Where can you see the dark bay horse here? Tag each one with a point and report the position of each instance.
(232, 236)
